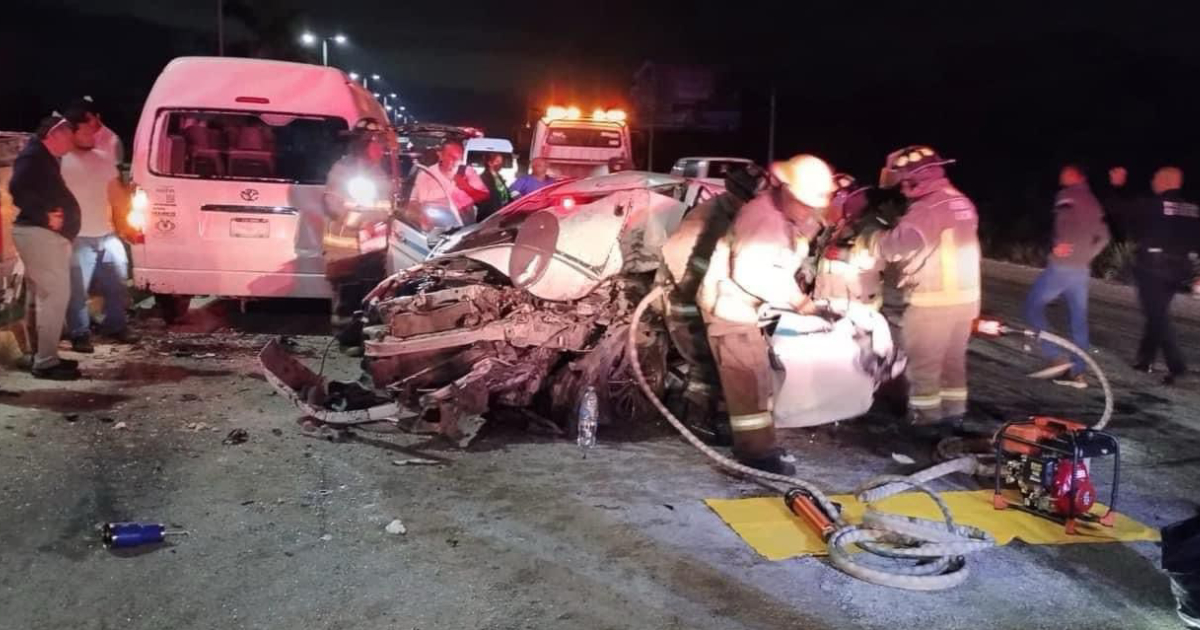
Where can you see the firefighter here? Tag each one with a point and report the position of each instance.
(753, 269)
(845, 273)
(686, 257)
(358, 196)
(1166, 228)
(936, 244)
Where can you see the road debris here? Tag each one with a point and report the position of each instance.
(236, 436)
(396, 528)
(418, 461)
(327, 537)
(901, 458)
(120, 426)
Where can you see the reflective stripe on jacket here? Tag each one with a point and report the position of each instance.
(937, 243)
(756, 262)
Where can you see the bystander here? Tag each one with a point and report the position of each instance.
(47, 221)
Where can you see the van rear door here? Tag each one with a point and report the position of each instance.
(239, 191)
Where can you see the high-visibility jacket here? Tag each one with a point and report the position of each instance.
(756, 262)
(937, 244)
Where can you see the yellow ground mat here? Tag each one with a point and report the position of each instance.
(773, 531)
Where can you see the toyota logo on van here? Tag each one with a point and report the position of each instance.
(250, 194)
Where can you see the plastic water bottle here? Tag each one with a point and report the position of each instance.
(589, 412)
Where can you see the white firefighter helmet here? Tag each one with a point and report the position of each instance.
(808, 178)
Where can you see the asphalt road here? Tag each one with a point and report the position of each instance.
(518, 531)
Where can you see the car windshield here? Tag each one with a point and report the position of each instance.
(257, 146)
(590, 137)
(723, 168)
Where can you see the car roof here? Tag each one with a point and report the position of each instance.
(613, 182)
(716, 158)
(498, 145)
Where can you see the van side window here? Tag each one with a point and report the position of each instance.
(254, 146)
(691, 168)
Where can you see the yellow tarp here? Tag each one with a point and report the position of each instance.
(773, 531)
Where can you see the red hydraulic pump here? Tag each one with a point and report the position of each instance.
(1047, 459)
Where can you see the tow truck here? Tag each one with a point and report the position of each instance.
(575, 145)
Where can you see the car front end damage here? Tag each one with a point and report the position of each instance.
(456, 337)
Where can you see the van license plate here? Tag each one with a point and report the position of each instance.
(250, 228)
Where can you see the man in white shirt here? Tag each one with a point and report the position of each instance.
(433, 189)
(98, 254)
(84, 110)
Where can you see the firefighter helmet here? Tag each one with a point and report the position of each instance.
(808, 178)
(902, 165)
(849, 199)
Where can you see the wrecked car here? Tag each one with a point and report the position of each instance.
(529, 308)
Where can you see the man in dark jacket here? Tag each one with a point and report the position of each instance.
(1166, 228)
(498, 193)
(1080, 234)
(48, 218)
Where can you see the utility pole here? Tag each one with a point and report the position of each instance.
(653, 115)
(771, 131)
(220, 28)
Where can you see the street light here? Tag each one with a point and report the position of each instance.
(353, 76)
(309, 39)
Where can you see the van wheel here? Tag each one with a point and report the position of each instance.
(172, 308)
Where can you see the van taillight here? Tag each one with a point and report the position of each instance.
(253, 99)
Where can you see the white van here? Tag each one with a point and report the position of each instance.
(230, 160)
(475, 150)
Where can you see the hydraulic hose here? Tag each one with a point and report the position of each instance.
(1092, 365)
(937, 547)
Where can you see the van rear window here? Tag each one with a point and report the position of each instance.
(477, 158)
(253, 146)
(584, 137)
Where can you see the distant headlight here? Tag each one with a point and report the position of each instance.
(362, 191)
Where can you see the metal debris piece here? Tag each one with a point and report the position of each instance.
(120, 426)
(417, 461)
(327, 537)
(396, 528)
(236, 436)
(469, 428)
(901, 458)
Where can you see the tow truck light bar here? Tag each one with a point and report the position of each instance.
(558, 112)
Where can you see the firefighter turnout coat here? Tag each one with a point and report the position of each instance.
(937, 246)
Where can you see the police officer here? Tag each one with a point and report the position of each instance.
(358, 195)
(1166, 228)
(936, 244)
(753, 268)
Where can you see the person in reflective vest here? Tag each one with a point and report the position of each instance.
(936, 244)
(753, 270)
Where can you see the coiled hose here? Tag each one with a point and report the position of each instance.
(937, 547)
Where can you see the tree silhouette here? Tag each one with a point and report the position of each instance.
(274, 29)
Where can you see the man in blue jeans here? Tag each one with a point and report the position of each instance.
(99, 260)
(1079, 235)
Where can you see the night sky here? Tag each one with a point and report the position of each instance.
(1011, 89)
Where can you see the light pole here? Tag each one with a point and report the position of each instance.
(310, 39)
